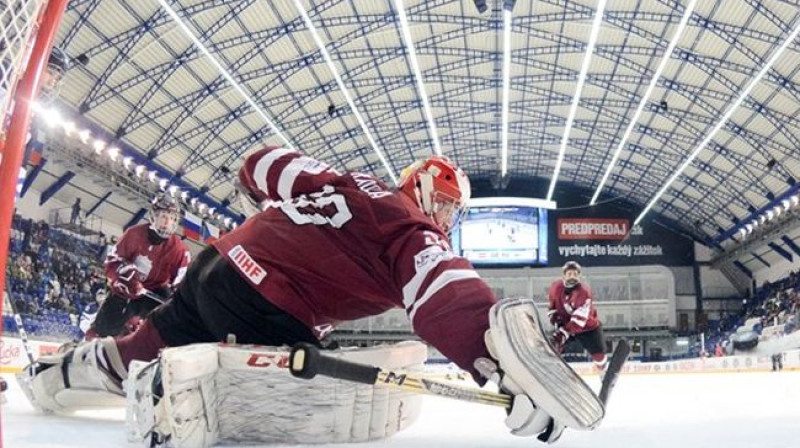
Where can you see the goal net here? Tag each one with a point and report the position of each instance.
(27, 33)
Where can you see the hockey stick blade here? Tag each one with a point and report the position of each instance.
(614, 369)
(306, 361)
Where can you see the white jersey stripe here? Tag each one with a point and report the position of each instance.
(265, 163)
(444, 279)
(437, 255)
(288, 176)
(292, 170)
(580, 323)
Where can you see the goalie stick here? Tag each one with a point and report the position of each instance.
(306, 361)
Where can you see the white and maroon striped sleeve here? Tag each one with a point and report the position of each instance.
(282, 174)
(445, 299)
(582, 312)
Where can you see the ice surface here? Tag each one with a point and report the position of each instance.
(734, 410)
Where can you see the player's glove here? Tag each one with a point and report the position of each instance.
(559, 339)
(127, 283)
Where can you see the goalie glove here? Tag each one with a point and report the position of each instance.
(523, 418)
(127, 283)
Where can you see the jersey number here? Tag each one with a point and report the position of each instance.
(321, 208)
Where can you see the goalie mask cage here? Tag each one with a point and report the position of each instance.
(27, 33)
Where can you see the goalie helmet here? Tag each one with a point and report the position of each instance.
(164, 214)
(571, 280)
(440, 189)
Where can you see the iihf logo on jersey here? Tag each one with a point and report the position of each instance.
(247, 265)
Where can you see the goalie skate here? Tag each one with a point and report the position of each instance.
(525, 354)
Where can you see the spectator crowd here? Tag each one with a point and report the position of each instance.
(51, 276)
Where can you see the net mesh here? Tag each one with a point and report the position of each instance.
(18, 21)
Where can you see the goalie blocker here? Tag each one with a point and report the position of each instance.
(204, 394)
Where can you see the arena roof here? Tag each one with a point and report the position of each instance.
(727, 92)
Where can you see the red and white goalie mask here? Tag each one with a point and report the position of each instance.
(164, 215)
(440, 189)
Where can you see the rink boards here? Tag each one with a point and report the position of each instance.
(13, 359)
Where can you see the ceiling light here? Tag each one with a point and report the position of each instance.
(113, 153)
(745, 93)
(412, 57)
(506, 99)
(318, 40)
(646, 98)
(573, 109)
(224, 72)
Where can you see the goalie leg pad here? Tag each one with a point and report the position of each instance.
(216, 393)
(76, 379)
(517, 341)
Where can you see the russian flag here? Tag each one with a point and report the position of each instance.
(210, 233)
(191, 226)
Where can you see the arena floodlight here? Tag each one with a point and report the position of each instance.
(646, 98)
(332, 67)
(99, 146)
(84, 136)
(573, 109)
(745, 93)
(52, 117)
(224, 72)
(69, 127)
(113, 153)
(412, 57)
(506, 99)
(127, 162)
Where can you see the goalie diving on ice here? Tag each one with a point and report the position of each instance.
(320, 247)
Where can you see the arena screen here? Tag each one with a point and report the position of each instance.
(502, 234)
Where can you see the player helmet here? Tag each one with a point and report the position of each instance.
(164, 214)
(439, 187)
(57, 66)
(572, 274)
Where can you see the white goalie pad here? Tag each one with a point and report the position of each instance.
(204, 394)
(524, 353)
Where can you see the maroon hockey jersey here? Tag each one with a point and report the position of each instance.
(332, 247)
(572, 310)
(160, 266)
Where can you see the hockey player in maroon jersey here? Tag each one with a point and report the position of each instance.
(573, 314)
(323, 247)
(142, 269)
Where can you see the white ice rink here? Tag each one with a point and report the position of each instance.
(735, 410)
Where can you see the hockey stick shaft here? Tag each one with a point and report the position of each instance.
(23, 335)
(306, 361)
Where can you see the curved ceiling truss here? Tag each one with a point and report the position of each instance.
(151, 88)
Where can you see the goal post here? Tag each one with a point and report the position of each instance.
(27, 32)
